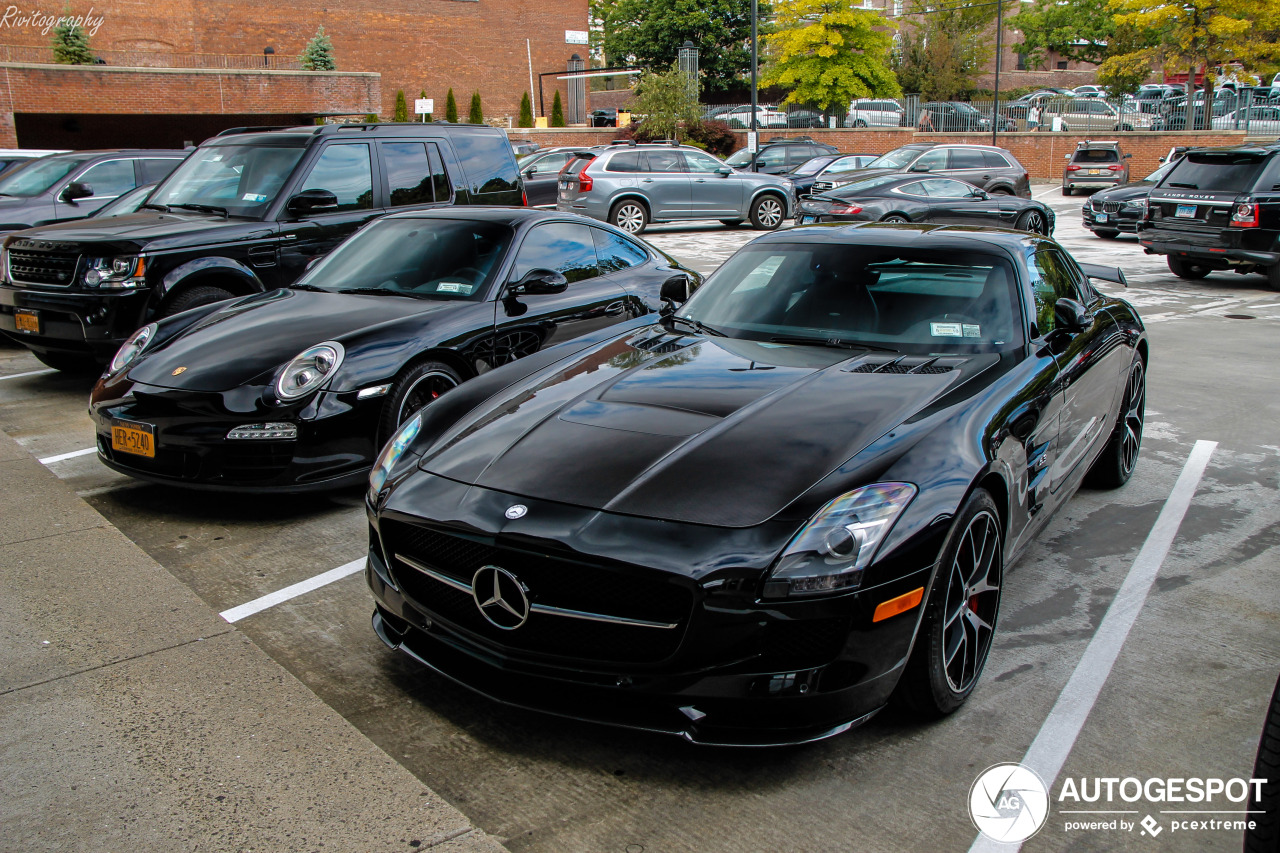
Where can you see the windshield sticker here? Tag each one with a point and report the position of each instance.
(253, 197)
(946, 330)
(972, 331)
(453, 287)
(214, 159)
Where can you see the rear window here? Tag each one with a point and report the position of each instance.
(1097, 155)
(1215, 171)
(487, 161)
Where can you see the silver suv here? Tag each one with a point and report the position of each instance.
(631, 185)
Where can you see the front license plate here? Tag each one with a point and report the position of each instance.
(805, 220)
(1099, 217)
(26, 320)
(1186, 211)
(130, 437)
(1094, 172)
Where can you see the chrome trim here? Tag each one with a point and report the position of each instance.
(539, 608)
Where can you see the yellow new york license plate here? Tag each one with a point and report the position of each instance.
(135, 438)
(26, 321)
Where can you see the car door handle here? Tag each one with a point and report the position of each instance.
(615, 308)
(646, 180)
(700, 181)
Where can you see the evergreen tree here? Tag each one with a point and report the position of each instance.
(451, 108)
(402, 108)
(71, 44)
(423, 95)
(526, 111)
(318, 54)
(476, 115)
(557, 111)
(371, 118)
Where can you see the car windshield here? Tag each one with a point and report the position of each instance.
(810, 167)
(127, 203)
(899, 158)
(37, 176)
(1159, 174)
(424, 258)
(240, 179)
(882, 297)
(741, 157)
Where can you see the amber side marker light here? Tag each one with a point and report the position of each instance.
(901, 604)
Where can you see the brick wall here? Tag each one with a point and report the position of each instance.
(414, 44)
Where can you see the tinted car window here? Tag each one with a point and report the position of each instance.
(936, 159)
(942, 188)
(1051, 280)
(1209, 171)
(1096, 155)
(564, 247)
(771, 157)
(994, 160)
(243, 179)
(109, 178)
(627, 161)
(486, 161)
(917, 188)
(552, 163)
(408, 173)
(157, 168)
(344, 170)
(967, 158)
(616, 252)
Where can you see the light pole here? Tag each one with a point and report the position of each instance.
(755, 64)
(995, 103)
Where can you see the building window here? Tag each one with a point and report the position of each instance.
(1062, 65)
(1022, 62)
(897, 8)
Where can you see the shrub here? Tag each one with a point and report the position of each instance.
(318, 54)
(476, 116)
(557, 111)
(402, 108)
(526, 111)
(451, 108)
(371, 118)
(71, 44)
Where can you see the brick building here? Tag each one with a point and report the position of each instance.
(182, 69)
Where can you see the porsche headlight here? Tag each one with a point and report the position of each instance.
(133, 347)
(309, 370)
(392, 452)
(115, 273)
(831, 553)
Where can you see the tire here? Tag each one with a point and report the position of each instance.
(767, 212)
(1187, 270)
(1068, 191)
(69, 362)
(629, 215)
(732, 223)
(1032, 221)
(192, 297)
(860, 123)
(1273, 278)
(1127, 128)
(415, 387)
(896, 219)
(1002, 191)
(1113, 468)
(1107, 235)
(966, 590)
(1265, 836)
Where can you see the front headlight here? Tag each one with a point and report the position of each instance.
(831, 553)
(115, 273)
(1135, 203)
(309, 370)
(392, 452)
(133, 347)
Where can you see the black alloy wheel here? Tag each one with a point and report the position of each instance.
(414, 389)
(895, 219)
(1033, 221)
(1115, 466)
(954, 639)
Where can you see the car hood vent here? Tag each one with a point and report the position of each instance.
(906, 364)
(659, 344)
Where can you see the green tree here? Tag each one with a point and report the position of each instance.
(402, 107)
(423, 96)
(557, 111)
(451, 108)
(829, 52)
(651, 32)
(318, 54)
(941, 53)
(476, 116)
(526, 111)
(71, 43)
(667, 101)
(1075, 29)
(371, 118)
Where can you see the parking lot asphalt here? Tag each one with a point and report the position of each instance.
(1185, 697)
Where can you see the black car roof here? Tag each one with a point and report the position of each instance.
(303, 134)
(941, 237)
(113, 152)
(505, 215)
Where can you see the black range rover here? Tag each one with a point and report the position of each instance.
(245, 213)
(1218, 209)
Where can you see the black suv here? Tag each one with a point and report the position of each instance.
(247, 212)
(779, 155)
(1218, 209)
(74, 185)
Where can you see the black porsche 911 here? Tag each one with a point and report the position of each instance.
(757, 518)
(920, 198)
(297, 389)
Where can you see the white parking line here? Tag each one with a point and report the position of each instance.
(235, 614)
(49, 460)
(28, 373)
(1049, 751)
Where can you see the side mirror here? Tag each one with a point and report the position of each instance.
(539, 281)
(530, 172)
(675, 290)
(1066, 156)
(724, 171)
(1070, 316)
(1127, 156)
(75, 190)
(982, 194)
(311, 201)
(919, 168)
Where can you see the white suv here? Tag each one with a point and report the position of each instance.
(883, 113)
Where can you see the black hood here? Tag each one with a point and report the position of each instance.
(711, 431)
(142, 230)
(252, 336)
(1124, 192)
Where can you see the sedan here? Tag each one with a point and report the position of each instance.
(832, 168)
(1111, 211)
(540, 172)
(297, 389)
(757, 518)
(911, 198)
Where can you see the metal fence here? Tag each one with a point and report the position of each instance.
(157, 59)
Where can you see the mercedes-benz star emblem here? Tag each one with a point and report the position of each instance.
(501, 597)
(516, 511)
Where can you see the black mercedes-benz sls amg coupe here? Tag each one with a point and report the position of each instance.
(758, 517)
(297, 389)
